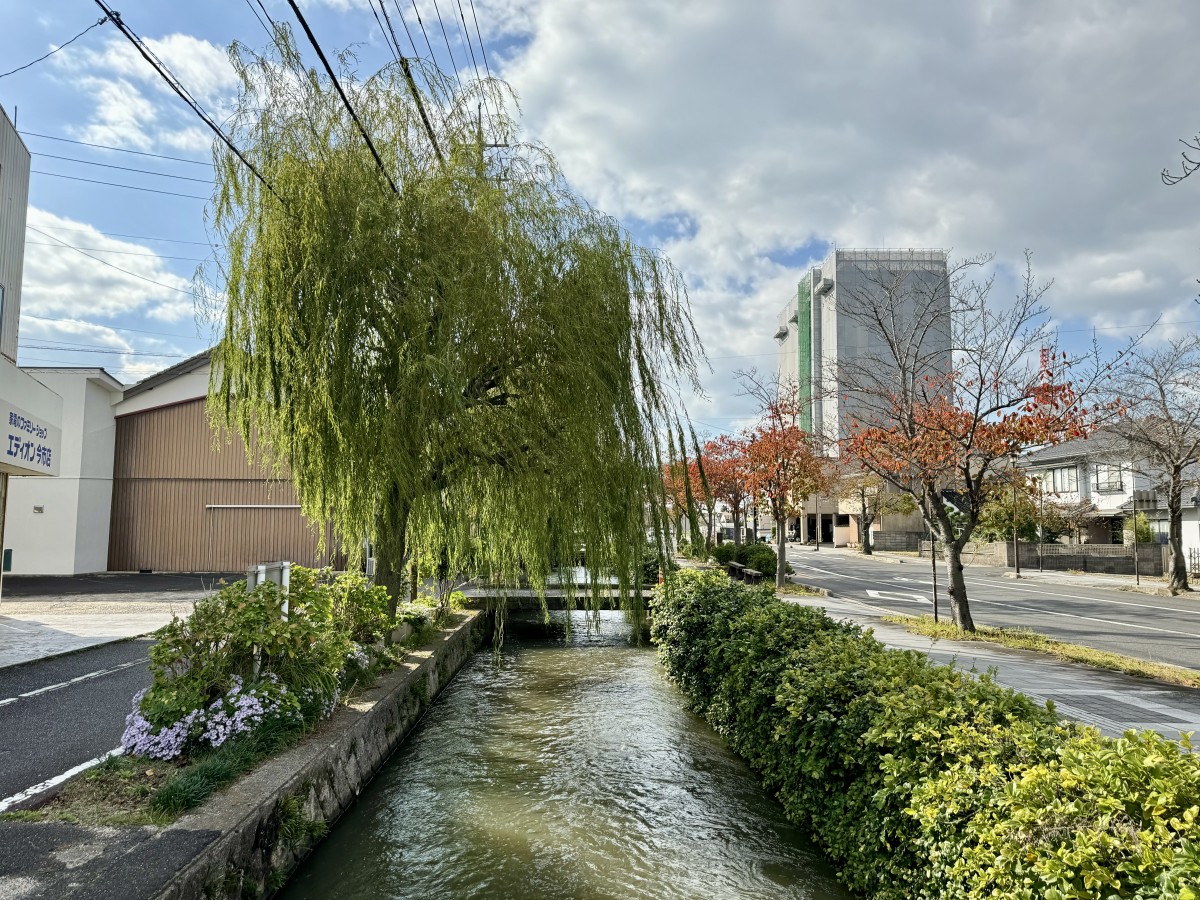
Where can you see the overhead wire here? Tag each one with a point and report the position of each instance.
(95, 24)
(479, 34)
(184, 337)
(408, 75)
(111, 266)
(114, 234)
(122, 252)
(420, 21)
(165, 73)
(264, 25)
(132, 187)
(50, 137)
(88, 162)
(446, 37)
(471, 48)
(312, 39)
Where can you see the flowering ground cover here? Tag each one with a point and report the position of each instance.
(241, 678)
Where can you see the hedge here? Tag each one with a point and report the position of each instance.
(920, 780)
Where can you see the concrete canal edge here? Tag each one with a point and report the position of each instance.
(260, 829)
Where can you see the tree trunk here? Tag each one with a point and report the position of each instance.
(959, 607)
(391, 549)
(737, 524)
(864, 526)
(708, 530)
(780, 551)
(1176, 564)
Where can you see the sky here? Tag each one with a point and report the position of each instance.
(742, 139)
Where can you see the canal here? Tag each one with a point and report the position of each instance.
(564, 768)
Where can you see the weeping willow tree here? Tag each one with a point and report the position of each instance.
(473, 366)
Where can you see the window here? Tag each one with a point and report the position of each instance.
(842, 520)
(1062, 480)
(1108, 478)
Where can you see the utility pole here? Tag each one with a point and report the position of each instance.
(1016, 546)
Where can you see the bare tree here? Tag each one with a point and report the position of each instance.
(950, 385)
(870, 498)
(1160, 432)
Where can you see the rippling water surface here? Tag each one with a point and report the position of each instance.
(567, 768)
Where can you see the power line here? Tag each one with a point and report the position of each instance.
(95, 24)
(446, 37)
(312, 39)
(404, 22)
(183, 337)
(50, 137)
(408, 76)
(470, 46)
(113, 234)
(182, 93)
(111, 266)
(479, 34)
(88, 162)
(132, 187)
(424, 32)
(113, 352)
(123, 252)
(254, 11)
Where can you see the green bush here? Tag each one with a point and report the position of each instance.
(920, 780)
(724, 553)
(758, 556)
(684, 548)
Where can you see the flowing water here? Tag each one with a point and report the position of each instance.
(565, 768)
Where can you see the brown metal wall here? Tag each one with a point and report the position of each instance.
(167, 477)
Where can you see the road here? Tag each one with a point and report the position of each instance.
(60, 713)
(1161, 629)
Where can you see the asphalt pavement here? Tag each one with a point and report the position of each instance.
(1161, 629)
(56, 714)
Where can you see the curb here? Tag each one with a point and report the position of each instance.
(4, 667)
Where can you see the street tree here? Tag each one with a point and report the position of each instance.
(445, 347)
(1073, 515)
(783, 466)
(1160, 387)
(728, 477)
(929, 421)
(869, 497)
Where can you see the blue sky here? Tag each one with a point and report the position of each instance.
(743, 139)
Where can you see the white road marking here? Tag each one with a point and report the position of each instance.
(9, 802)
(1028, 590)
(896, 595)
(65, 684)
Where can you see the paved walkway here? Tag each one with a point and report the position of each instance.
(1111, 701)
(42, 617)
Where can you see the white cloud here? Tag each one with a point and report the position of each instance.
(134, 107)
(971, 126)
(64, 282)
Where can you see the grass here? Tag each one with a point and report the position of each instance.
(116, 792)
(1023, 639)
(798, 590)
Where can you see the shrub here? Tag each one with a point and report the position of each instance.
(759, 557)
(921, 780)
(684, 548)
(238, 663)
(724, 553)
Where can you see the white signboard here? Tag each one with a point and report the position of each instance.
(28, 445)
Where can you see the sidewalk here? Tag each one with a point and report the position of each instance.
(42, 617)
(1111, 701)
(1082, 579)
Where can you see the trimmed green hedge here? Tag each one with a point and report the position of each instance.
(756, 556)
(920, 780)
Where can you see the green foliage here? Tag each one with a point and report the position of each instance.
(475, 365)
(724, 553)
(295, 828)
(687, 549)
(920, 780)
(244, 634)
(1145, 532)
(758, 556)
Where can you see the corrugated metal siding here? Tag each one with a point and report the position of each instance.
(14, 206)
(167, 479)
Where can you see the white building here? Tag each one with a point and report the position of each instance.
(30, 412)
(61, 526)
